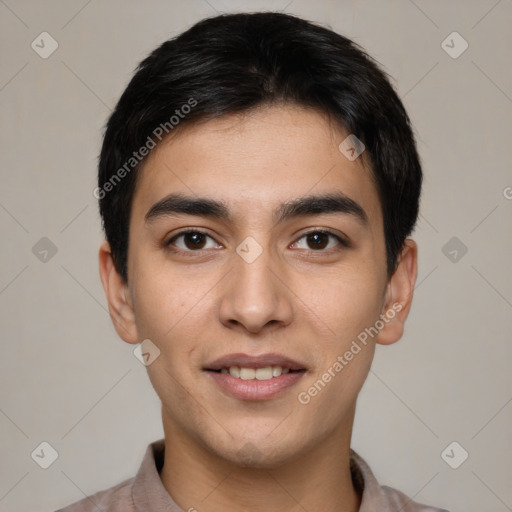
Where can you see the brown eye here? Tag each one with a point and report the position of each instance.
(194, 240)
(320, 240)
(317, 240)
(191, 241)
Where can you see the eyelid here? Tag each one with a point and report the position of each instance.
(343, 240)
(340, 238)
(187, 231)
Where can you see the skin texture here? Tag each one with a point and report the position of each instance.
(308, 304)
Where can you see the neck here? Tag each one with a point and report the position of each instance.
(316, 479)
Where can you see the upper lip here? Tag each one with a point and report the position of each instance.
(256, 361)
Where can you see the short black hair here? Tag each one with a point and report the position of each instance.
(233, 63)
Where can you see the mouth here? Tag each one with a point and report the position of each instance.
(261, 377)
(263, 373)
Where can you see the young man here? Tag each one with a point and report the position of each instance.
(258, 181)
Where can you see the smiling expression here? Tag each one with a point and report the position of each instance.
(256, 256)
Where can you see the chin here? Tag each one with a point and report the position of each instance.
(258, 453)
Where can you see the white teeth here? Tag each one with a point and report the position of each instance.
(266, 373)
(276, 371)
(247, 373)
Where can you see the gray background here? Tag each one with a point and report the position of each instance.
(67, 379)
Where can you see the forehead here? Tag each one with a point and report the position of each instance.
(254, 162)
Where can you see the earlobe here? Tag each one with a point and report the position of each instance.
(118, 296)
(399, 295)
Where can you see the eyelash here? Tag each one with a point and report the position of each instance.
(343, 242)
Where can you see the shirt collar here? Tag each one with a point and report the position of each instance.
(150, 495)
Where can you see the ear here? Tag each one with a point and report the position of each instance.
(118, 297)
(399, 294)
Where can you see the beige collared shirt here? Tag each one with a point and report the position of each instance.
(146, 493)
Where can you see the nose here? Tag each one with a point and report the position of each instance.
(255, 295)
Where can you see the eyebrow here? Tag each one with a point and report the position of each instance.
(302, 206)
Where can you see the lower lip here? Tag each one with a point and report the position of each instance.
(255, 389)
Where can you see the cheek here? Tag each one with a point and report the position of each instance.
(161, 298)
(348, 307)
(346, 301)
(167, 313)
(353, 304)
(172, 311)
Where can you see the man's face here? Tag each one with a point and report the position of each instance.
(254, 284)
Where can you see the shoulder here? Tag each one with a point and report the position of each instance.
(397, 500)
(381, 497)
(114, 499)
